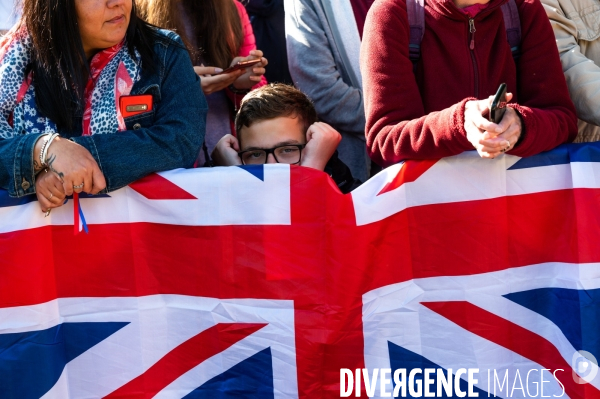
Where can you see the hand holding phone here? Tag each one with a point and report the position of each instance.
(238, 66)
(489, 138)
(498, 105)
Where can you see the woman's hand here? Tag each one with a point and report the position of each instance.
(49, 190)
(322, 141)
(511, 127)
(226, 151)
(211, 84)
(74, 166)
(488, 138)
(253, 74)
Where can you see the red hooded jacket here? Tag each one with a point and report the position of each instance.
(421, 116)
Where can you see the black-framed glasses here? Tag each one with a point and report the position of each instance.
(288, 153)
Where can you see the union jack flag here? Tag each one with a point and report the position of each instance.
(264, 282)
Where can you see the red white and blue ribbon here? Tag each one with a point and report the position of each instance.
(79, 223)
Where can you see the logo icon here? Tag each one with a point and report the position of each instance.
(585, 367)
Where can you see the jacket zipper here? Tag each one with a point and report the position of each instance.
(473, 60)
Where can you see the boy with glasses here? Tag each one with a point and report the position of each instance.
(278, 124)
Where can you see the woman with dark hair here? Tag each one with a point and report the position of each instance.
(218, 34)
(93, 98)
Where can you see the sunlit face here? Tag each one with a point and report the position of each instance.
(102, 23)
(272, 133)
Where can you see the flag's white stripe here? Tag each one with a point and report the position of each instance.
(467, 177)
(23, 217)
(133, 349)
(451, 347)
(232, 196)
(395, 313)
(284, 373)
(533, 322)
(158, 324)
(225, 196)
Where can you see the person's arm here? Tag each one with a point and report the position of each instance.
(581, 73)
(21, 147)
(249, 40)
(547, 112)
(248, 46)
(17, 174)
(397, 127)
(173, 141)
(314, 71)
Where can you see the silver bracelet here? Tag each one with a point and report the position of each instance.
(44, 152)
(46, 136)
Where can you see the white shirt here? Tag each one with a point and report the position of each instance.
(8, 15)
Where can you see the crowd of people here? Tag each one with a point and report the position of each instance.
(95, 94)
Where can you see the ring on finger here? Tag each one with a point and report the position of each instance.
(77, 187)
(50, 197)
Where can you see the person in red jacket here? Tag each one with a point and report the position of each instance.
(438, 110)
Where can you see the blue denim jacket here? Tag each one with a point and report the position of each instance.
(168, 137)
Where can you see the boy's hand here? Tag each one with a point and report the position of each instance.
(322, 141)
(226, 151)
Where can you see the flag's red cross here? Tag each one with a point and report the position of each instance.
(324, 264)
(156, 187)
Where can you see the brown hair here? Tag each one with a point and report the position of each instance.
(273, 101)
(218, 33)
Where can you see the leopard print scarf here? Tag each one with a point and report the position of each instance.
(113, 72)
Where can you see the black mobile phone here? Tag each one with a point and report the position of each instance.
(498, 106)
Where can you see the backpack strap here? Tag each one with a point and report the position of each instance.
(512, 24)
(416, 23)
